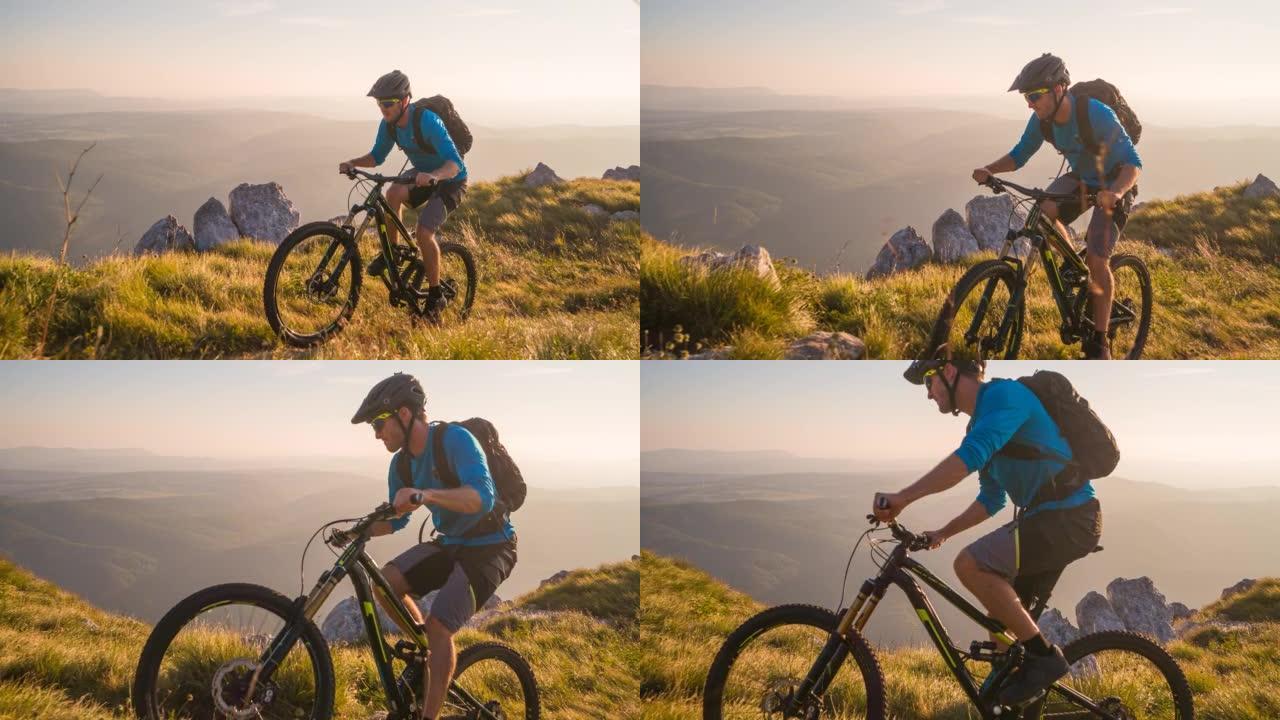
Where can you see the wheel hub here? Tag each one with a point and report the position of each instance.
(778, 701)
(231, 690)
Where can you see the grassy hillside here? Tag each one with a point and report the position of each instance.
(554, 283)
(1214, 259)
(63, 658)
(685, 616)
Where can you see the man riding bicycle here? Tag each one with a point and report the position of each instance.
(440, 182)
(476, 547)
(1052, 526)
(1110, 169)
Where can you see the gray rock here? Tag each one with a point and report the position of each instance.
(594, 211)
(990, 218)
(213, 226)
(1180, 611)
(625, 216)
(1262, 187)
(752, 257)
(1224, 626)
(542, 175)
(903, 251)
(952, 240)
(1095, 614)
(825, 345)
(554, 579)
(1056, 628)
(631, 172)
(1242, 586)
(164, 236)
(262, 212)
(1141, 607)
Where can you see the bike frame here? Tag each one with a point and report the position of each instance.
(899, 570)
(365, 576)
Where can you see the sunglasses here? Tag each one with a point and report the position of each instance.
(388, 102)
(1035, 95)
(379, 421)
(928, 377)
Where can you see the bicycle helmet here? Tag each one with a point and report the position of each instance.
(1043, 72)
(399, 390)
(938, 359)
(393, 84)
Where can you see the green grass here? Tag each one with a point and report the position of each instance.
(1214, 258)
(685, 615)
(62, 658)
(554, 283)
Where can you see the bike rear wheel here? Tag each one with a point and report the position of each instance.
(312, 284)
(494, 677)
(1127, 675)
(1131, 307)
(983, 315)
(199, 660)
(758, 669)
(457, 281)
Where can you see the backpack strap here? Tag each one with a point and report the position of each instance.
(1085, 125)
(1046, 129)
(423, 145)
(441, 459)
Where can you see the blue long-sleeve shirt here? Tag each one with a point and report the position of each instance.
(1007, 411)
(437, 137)
(1107, 132)
(468, 462)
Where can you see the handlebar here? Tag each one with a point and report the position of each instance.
(407, 178)
(998, 186)
(385, 511)
(914, 542)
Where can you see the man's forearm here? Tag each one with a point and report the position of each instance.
(463, 499)
(1003, 165)
(1127, 178)
(946, 475)
(365, 160)
(975, 514)
(447, 171)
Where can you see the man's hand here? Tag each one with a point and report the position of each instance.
(345, 168)
(404, 499)
(1107, 200)
(981, 175)
(423, 179)
(935, 538)
(886, 506)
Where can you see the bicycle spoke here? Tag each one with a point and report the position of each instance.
(1124, 685)
(767, 673)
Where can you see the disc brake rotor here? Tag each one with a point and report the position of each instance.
(778, 699)
(231, 688)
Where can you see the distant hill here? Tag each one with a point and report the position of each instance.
(61, 657)
(1214, 257)
(685, 616)
(786, 537)
(555, 281)
(159, 163)
(827, 186)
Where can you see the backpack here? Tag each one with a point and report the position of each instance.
(443, 107)
(1107, 94)
(1093, 448)
(508, 482)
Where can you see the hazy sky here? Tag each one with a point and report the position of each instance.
(548, 413)
(580, 54)
(1190, 423)
(1157, 52)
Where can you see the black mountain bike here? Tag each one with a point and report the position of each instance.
(313, 281)
(242, 651)
(985, 312)
(787, 661)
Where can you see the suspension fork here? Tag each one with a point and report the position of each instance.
(836, 650)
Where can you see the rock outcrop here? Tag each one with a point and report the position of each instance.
(213, 226)
(904, 250)
(631, 172)
(625, 216)
(1141, 607)
(825, 345)
(751, 257)
(542, 175)
(1095, 614)
(1056, 628)
(1242, 586)
(952, 240)
(263, 212)
(990, 218)
(166, 235)
(1261, 187)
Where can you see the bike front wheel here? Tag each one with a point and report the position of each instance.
(1123, 674)
(760, 670)
(312, 284)
(492, 682)
(1130, 307)
(983, 315)
(202, 660)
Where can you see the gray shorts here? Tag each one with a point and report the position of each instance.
(1046, 542)
(465, 576)
(435, 202)
(1104, 230)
